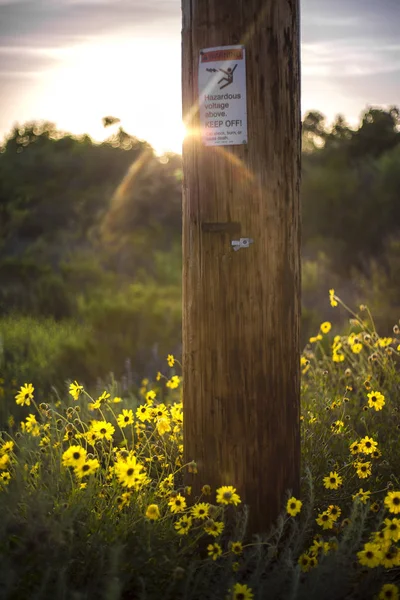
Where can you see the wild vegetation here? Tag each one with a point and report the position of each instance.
(94, 500)
(90, 244)
(93, 493)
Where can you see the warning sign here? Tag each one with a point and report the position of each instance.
(222, 96)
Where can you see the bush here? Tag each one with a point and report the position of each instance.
(134, 326)
(30, 350)
(95, 504)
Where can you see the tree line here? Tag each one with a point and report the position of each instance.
(90, 233)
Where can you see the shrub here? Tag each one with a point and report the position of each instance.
(95, 504)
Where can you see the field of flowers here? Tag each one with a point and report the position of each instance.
(94, 503)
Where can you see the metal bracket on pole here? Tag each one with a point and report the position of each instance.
(242, 243)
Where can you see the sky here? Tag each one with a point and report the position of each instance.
(73, 62)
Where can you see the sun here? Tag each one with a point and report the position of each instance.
(169, 139)
(129, 79)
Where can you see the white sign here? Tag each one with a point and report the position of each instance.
(222, 96)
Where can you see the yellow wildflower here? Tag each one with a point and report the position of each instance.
(355, 448)
(166, 485)
(163, 425)
(183, 525)
(25, 394)
(384, 342)
(362, 496)
(214, 551)
(304, 364)
(304, 562)
(363, 469)
(88, 467)
(338, 356)
(325, 520)
(315, 338)
(392, 502)
(334, 511)
(236, 547)
(370, 556)
(103, 429)
(333, 481)
(159, 411)
(7, 447)
(332, 297)
(214, 528)
(177, 503)
(356, 348)
(227, 495)
(173, 383)
(325, 327)
(4, 460)
(74, 456)
(150, 396)
(391, 530)
(143, 413)
(376, 400)
(375, 506)
(5, 477)
(124, 500)
(242, 592)
(368, 445)
(337, 426)
(75, 390)
(125, 418)
(177, 412)
(293, 506)
(129, 472)
(153, 512)
(389, 591)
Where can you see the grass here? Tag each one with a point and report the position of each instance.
(94, 503)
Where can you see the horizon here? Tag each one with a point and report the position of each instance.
(73, 62)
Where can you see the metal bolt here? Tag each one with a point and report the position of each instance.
(242, 243)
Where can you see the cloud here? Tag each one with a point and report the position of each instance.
(350, 52)
(62, 22)
(348, 46)
(16, 61)
(331, 20)
(346, 58)
(37, 35)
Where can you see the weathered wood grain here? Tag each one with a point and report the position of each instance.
(241, 309)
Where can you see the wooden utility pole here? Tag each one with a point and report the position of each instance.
(241, 308)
